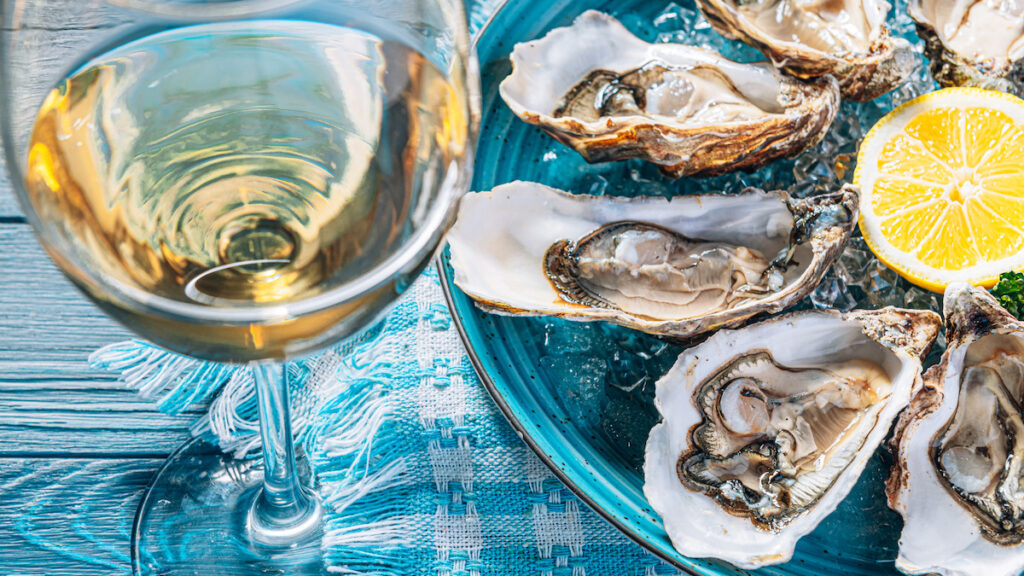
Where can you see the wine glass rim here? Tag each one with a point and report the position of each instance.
(191, 11)
(110, 289)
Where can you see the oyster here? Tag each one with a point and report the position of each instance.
(675, 267)
(767, 428)
(811, 38)
(959, 448)
(609, 95)
(973, 42)
(656, 261)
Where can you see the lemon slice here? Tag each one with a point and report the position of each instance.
(942, 187)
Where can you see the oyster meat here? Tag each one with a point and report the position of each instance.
(657, 263)
(973, 42)
(812, 38)
(958, 479)
(767, 428)
(609, 95)
(675, 267)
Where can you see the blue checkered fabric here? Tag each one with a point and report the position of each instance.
(419, 470)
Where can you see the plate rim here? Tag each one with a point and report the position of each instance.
(523, 432)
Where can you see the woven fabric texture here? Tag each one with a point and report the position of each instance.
(419, 470)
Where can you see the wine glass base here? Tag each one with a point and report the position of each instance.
(192, 520)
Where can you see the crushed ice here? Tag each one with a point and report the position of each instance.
(608, 372)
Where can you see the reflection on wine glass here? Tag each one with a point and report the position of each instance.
(250, 184)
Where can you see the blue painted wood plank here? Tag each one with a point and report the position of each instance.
(46, 325)
(50, 400)
(8, 206)
(69, 516)
(39, 419)
(63, 515)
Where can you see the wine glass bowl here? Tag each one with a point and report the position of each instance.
(226, 189)
(240, 181)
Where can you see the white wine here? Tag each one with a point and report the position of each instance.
(244, 164)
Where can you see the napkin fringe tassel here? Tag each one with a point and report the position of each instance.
(352, 435)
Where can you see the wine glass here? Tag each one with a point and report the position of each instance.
(240, 181)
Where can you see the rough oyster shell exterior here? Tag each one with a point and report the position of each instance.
(940, 536)
(500, 238)
(950, 68)
(886, 64)
(543, 70)
(698, 524)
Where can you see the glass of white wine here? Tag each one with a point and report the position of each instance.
(238, 181)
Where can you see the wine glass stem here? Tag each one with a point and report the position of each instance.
(284, 512)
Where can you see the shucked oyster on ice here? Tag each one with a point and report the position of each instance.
(811, 38)
(958, 480)
(675, 267)
(609, 95)
(767, 428)
(973, 42)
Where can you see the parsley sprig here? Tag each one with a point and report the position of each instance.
(1010, 292)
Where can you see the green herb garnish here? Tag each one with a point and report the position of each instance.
(1010, 292)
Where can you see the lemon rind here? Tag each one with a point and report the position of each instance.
(916, 272)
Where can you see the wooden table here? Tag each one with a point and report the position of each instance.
(76, 448)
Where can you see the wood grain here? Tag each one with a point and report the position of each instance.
(50, 400)
(69, 516)
(8, 206)
(39, 308)
(61, 515)
(58, 15)
(93, 431)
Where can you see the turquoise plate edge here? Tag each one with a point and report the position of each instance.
(464, 315)
(495, 364)
(593, 494)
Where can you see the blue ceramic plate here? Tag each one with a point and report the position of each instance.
(581, 394)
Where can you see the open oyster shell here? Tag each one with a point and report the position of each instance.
(957, 479)
(675, 267)
(609, 95)
(973, 42)
(845, 38)
(767, 428)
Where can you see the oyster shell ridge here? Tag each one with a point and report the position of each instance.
(910, 331)
(949, 68)
(971, 314)
(756, 547)
(828, 238)
(860, 77)
(679, 149)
